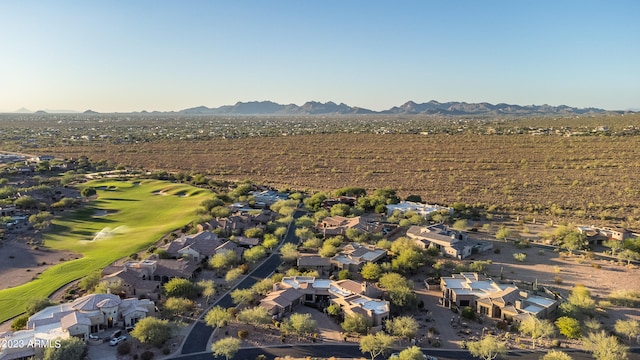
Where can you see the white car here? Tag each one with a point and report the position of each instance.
(426, 357)
(118, 340)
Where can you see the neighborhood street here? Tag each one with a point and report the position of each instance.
(197, 339)
(352, 350)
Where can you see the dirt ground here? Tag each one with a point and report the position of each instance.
(20, 262)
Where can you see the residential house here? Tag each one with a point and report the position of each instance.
(353, 256)
(450, 242)
(237, 223)
(338, 225)
(596, 234)
(282, 301)
(145, 277)
(202, 246)
(267, 198)
(492, 299)
(353, 297)
(199, 246)
(246, 242)
(347, 200)
(424, 210)
(85, 315)
(314, 262)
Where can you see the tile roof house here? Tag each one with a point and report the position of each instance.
(352, 296)
(314, 262)
(198, 246)
(202, 246)
(354, 255)
(338, 225)
(145, 277)
(85, 315)
(492, 299)
(450, 242)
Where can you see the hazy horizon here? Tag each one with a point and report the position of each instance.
(122, 56)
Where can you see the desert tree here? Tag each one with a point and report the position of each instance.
(356, 323)
(207, 289)
(371, 271)
(569, 327)
(403, 326)
(174, 306)
(178, 287)
(239, 296)
(503, 233)
(536, 328)
(152, 331)
(628, 256)
(411, 353)
(614, 245)
(376, 344)
(218, 317)
(227, 347)
(256, 316)
(605, 347)
(289, 252)
(300, 324)
(556, 355)
(72, 348)
(488, 348)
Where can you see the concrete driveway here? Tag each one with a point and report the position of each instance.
(327, 328)
(99, 350)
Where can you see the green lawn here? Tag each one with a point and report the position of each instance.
(139, 213)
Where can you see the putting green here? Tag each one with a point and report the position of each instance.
(127, 217)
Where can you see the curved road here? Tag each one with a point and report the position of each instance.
(197, 339)
(352, 351)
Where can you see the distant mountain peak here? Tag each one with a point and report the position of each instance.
(433, 107)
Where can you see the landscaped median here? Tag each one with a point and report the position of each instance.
(126, 217)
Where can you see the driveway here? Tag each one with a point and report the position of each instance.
(99, 350)
(327, 328)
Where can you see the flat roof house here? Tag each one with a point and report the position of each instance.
(492, 299)
(450, 242)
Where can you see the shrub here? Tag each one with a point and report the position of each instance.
(521, 257)
(243, 334)
(124, 348)
(147, 355)
(166, 351)
(468, 313)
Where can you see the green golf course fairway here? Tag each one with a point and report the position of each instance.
(127, 217)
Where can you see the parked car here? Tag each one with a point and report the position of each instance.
(94, 337)
(118, 340)
(425, 357)
(116, 334)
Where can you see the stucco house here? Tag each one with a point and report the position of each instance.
(85, 315)
(353, 256)
(352, 296)
(450, 242)
(424, 210)
(338, 225)
(493, 299)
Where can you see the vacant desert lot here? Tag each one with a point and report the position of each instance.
(578, 177)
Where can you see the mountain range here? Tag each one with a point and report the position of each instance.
(453, 108)
(408, 108)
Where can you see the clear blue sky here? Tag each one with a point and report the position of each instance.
(169, 55)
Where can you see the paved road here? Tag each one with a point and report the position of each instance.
(339, 350)
(197, 339)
